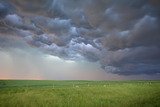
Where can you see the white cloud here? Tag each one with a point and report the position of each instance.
(14, 19)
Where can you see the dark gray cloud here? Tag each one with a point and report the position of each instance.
(5, 8)
(133, 60)
(123, 36)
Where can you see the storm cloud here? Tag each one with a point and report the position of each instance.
(123, 36)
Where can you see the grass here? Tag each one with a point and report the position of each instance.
(48, 93)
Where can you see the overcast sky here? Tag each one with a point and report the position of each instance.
(80, 39)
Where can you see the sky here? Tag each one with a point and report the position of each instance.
(80, 39)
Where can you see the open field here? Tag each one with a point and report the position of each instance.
(48, 93)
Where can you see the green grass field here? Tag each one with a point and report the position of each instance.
(48, 93)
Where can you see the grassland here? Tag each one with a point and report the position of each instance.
(48, 93)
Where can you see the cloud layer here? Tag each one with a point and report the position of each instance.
(123, 36)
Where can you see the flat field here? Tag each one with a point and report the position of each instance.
(50, 93)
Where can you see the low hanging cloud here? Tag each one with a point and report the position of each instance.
(123, 36)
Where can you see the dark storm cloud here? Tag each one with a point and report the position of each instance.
(122, 35)
(131, 59)
(145, 32)
(5, 8)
